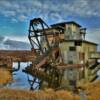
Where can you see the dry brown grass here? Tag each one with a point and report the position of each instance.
(5, 76)
(8, 94)
(93, 90)
(49, 94)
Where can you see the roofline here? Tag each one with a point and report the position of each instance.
(84, 41)
(63, 23)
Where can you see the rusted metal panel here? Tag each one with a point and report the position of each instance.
(81, 56)
(42, 62)
(65, 66)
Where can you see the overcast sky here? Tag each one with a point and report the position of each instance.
(15, 15)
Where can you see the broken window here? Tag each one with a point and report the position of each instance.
(78, 43)
(72, 48)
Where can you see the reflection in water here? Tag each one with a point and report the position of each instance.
(34, 83)
(19, 79)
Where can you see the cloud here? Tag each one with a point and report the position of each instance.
(9, 13)
(55, 17)
(18, 38)
(22, 18)
(1, 39)
(25, 9)
(93, 33)
(14, 20)
(50, 10)
(83, 8)
(16, 45)
(94, 36)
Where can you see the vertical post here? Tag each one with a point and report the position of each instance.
(18, 65)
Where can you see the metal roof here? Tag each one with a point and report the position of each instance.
(63, 23)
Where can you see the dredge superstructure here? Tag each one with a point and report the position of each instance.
(60, 56)
(64, 59)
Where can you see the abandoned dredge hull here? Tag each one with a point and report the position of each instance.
(60, 56)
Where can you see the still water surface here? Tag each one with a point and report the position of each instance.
(20, 79)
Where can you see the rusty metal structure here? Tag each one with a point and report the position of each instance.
(60, 56)
(60, 61)
(43, 67)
